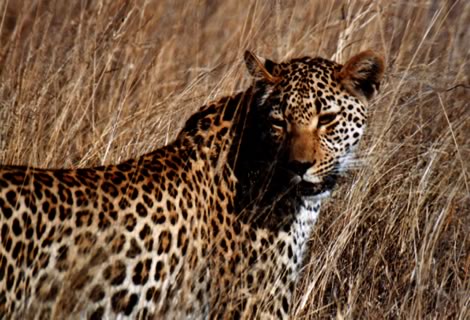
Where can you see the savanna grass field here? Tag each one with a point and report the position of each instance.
(86, 83)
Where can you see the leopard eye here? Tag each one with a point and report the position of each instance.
(280, 123)
(326, 119)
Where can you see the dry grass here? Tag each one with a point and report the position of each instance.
(101, 81)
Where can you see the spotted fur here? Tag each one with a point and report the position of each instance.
(213, 225)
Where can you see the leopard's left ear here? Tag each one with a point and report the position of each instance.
(362, 74)
(260, 68)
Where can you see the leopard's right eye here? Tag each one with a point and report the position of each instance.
(280, 123)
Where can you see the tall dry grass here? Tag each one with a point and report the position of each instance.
(90, 82)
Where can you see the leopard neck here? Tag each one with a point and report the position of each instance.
(231, 133)
(217, 125)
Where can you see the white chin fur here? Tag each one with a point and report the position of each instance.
(317, 197)
(310, 178)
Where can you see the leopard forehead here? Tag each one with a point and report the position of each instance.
(308, 88)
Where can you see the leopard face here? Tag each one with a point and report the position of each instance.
(313, 114)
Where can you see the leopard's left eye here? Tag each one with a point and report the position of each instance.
(325, 119)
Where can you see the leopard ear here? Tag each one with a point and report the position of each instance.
(362, 74)
(260, 68)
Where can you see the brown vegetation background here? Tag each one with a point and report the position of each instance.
(87, 82)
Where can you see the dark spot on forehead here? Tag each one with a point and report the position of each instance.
(318, 106)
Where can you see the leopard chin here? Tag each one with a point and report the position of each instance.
(306, 189)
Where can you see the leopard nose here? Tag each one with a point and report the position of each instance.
(299, 167)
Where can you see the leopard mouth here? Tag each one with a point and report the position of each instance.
(306, 188)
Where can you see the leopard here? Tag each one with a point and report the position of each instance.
(213, 225)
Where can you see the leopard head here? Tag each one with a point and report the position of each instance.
(310, 114)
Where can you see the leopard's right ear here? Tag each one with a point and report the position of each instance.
(260, 68)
